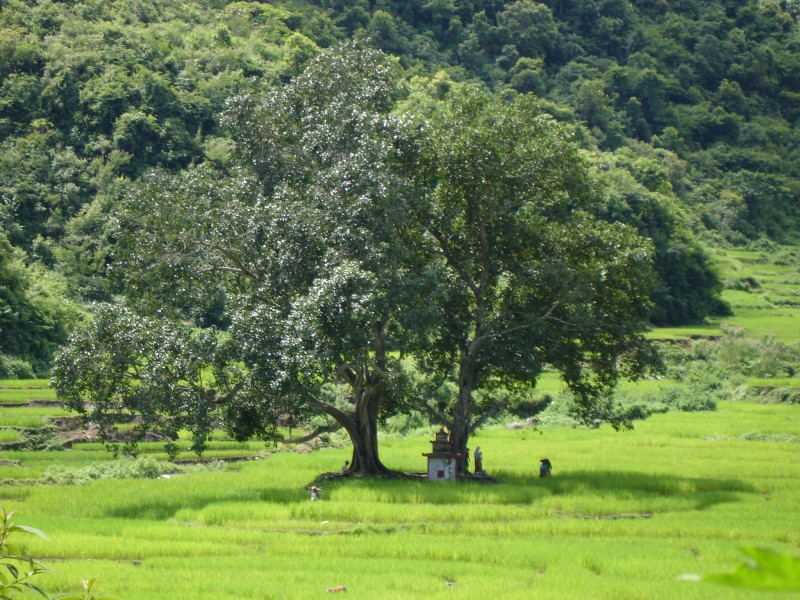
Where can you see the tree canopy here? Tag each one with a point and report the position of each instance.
(464, 239)
(303, 251)
(533, 279)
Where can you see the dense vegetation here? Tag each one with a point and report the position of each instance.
(688, 112)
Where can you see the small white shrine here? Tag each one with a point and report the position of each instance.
(442, 462)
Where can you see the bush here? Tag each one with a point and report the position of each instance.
(743, 284)
(763, 245)
(776, 395)
(788, 259)
(680, 398)
(129, 468)
(683, 399)
(15, 368)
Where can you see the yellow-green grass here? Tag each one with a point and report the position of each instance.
(552, 383)
(34, 410)
(9, 395)
(624, 516)
(24, 383)
(149, 448)
(780, 322)
(8, 434)
(11, 474)
(8, 419)
(22, 391)
(773, 381)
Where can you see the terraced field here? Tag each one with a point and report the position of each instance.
(762, 288)
(37, 436)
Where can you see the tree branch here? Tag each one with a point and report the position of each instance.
(452, 263)
(526, 325)
(238, 266)
(310, 436)
(491, 412)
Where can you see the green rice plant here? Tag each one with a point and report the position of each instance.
(8, 434)
(21, 420)
(75, 456)
(26, 474)
(25, 383)
(41, 411)
(624, 515)
(145, 468)
(14, 395)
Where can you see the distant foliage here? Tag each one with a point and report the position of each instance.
(15, 368)
(699, 103)
(35, 314)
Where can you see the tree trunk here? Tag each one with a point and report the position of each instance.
(462, 415)
(362, 426)
(364, 436)
(362, 423)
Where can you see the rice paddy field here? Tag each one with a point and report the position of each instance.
(626, 515)
(641, 514)
(763, 290)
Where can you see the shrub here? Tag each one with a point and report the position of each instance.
(20, 571)
(15, 368)
(129, 468)
(744, 284)
(788, 259)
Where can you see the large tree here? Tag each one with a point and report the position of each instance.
(465, 239)
(303, 255)
(533, 279)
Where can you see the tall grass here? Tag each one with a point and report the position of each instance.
(624, 515)
(10, 395)
(24, 383)
(8, 434)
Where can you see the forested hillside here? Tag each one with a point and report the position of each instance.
(689, 113)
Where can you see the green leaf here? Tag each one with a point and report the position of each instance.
(26, 529)
(30, 586)
(12, 550)
(765, 570)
